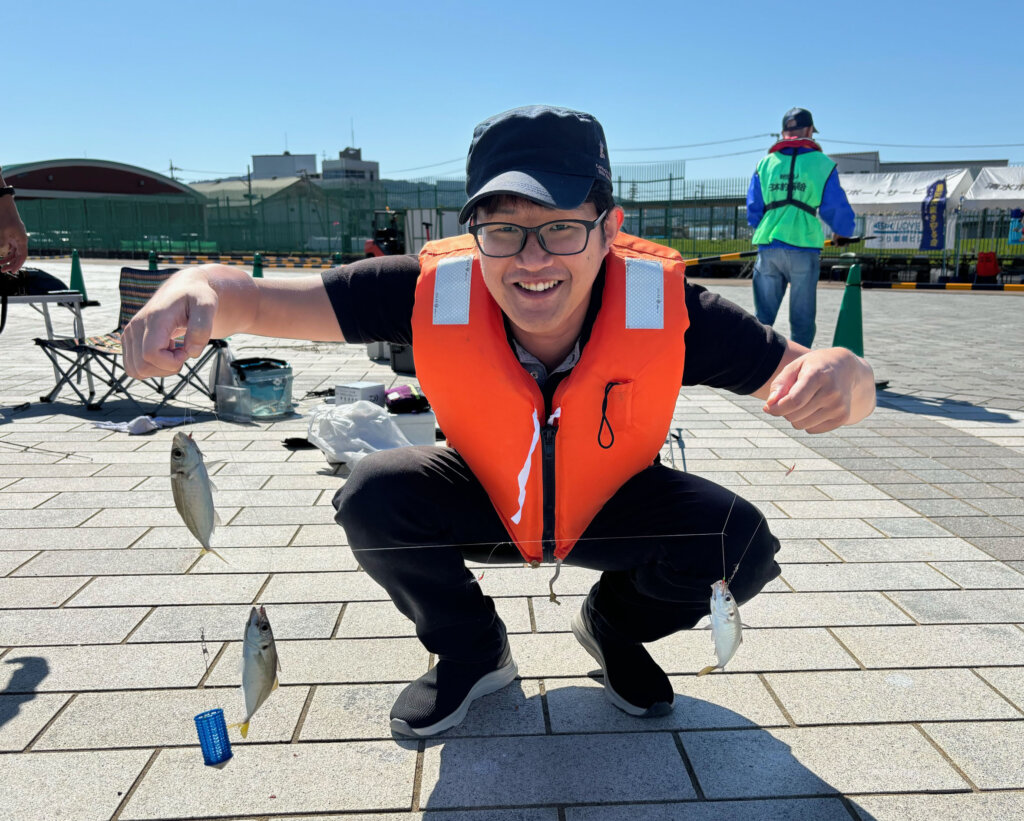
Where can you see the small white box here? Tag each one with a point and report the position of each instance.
(417, 427)
(354, 391)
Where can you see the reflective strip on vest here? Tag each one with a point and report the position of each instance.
(451, 291)
(524, 474)
(645, 294)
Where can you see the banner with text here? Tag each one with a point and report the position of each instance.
(893, 231)
(933, 217)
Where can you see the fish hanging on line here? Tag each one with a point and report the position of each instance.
(259, 665)
(726, 627)
(193, 491)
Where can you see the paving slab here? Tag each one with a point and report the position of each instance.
(783, 809)
(579, 705)
(107, 625)
(962, 807)
(606, 768)
(226, 622)
(816, 761)
(29, 519)
(158, 718)
(70, 538)
(981, 575)
(968, 645)
(170, 589)
(1009, 681)
(962, 606)
(116, 517)
(865, 576)
(988, 753)
(383, 619)
(330, 662)
(289, 559)
(343, 712)
(883, 696)
(100, 667)
(831, 609)
(108, 562)
(908, 527)
(825, 529)
(82, 786)
(177, 536)
(276, 779)
(45, 592)
(23, 501)
(12, 559)
(909, 549)
(22, 716)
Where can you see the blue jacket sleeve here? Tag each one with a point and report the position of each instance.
(755, 202)
(835, 208)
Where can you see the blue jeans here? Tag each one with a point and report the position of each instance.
(774, 270)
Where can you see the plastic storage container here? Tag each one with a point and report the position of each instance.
(269, 382)
(233, 403)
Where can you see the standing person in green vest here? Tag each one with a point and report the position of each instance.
(794, 184)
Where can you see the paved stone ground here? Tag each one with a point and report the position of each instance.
(882, 677)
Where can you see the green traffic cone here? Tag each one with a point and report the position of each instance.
(77, 282)
(257, 266)
(152, 260)
(849, 327)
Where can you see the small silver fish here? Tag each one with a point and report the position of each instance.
(192, 490)
(259, 665)
(726, 627)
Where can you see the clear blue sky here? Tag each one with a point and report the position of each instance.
(208, 84)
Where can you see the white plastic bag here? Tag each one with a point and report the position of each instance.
(347, 433)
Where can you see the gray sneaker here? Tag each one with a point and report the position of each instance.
(440, 698)
(633, 681)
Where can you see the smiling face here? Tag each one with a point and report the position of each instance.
(545, 296)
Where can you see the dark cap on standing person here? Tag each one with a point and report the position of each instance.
(548, 155)
(797, 118)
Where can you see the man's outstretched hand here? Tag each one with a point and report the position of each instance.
(822, 390)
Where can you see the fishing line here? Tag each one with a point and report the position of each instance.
(724, 525)
(24, 448)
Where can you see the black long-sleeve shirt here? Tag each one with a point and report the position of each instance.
(726, 347)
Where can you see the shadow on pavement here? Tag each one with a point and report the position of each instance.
(949, 408)
(22, 685)
(706, 772)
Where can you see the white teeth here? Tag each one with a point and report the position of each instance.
(538, 286)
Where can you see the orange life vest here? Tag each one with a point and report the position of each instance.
(548, 474)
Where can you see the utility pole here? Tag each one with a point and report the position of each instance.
(172, 169)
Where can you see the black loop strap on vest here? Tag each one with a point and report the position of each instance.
(604, 418)
(790, 199)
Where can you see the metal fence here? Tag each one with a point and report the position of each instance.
(697, 217)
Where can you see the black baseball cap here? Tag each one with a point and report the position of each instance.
(548, 155)
(797, 118)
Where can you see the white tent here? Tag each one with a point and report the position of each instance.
(890, 205)
(903, 192)
(996, 188)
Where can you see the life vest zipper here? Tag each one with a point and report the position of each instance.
(547, 440)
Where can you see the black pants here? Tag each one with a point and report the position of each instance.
(413, 514)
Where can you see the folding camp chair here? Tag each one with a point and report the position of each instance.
(100, 357)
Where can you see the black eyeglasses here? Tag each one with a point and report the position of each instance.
(559, 237)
